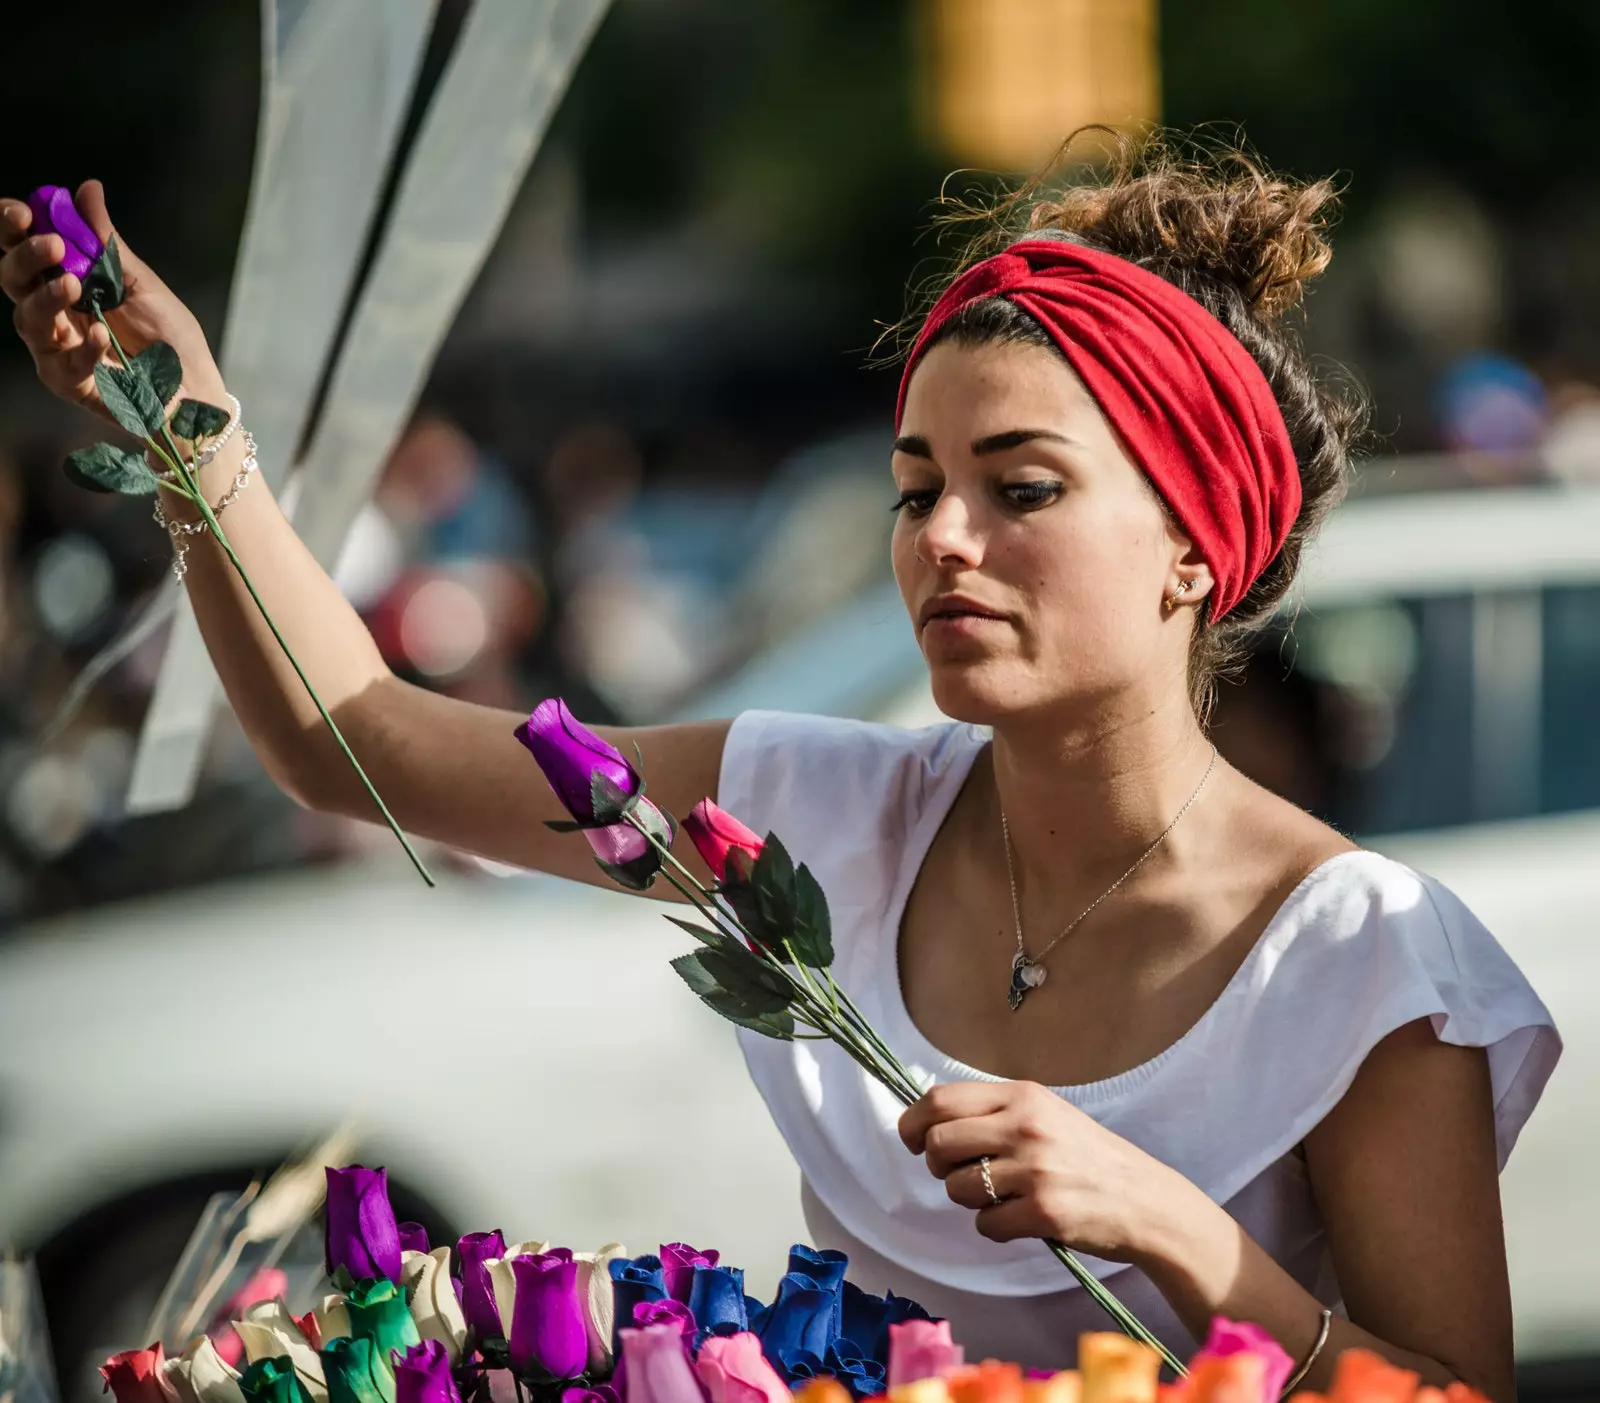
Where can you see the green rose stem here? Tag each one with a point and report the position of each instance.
(835, 1014)
(190, 489)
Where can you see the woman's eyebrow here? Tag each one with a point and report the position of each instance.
(1014, 438)
(914, 444)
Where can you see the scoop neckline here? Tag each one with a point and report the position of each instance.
(915, 855)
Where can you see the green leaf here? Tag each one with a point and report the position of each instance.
(813, 927)
(695, 974)
(161, 366)
(757, 986)
(717, 939)
(107, 468)
(196, 419)
(773, 1025)
(692, 969)
(130, 399)
(610, 802)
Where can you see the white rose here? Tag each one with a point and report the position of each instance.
(426, 1278)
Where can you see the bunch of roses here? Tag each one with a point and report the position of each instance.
(528, 1319)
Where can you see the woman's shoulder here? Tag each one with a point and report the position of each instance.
(815, 778)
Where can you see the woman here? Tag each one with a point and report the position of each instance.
(1176, 1022)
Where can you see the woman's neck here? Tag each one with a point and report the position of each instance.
(1112, 782)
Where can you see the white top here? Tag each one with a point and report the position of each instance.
(1361, 947)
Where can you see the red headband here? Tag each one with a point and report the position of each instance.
(1189, 401)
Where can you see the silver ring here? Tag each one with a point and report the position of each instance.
(988, 1183)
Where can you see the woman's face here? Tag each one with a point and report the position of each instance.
(1033, 556)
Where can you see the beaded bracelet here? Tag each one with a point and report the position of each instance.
(179, 530)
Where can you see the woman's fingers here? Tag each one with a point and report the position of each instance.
(41, 317)
(955, 1101)
(965, 1184)
(27, 262)
(953, 1144)
(15, 221)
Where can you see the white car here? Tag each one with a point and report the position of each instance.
(520, 1055)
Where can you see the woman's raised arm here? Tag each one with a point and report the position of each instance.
(447, 769)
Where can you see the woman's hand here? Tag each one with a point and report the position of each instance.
(67, 344)
(1057, 1172)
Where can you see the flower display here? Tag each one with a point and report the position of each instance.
(541, 1324)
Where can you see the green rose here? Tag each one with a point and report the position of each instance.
(378, 1312)
(357, 1372)
(273, 1381)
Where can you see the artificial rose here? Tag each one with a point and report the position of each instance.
(503, 1280)
(422, 1375)
(989, 1382)
(434, 1304)
(800, 1318)
(1063, 1387)
(600, 1393)
(332, 1320)
(1230, 1378)
(925, 1391)
(678, 1261)
(134, 1376)
(863, 1376)
(599, 1301)
(548, 1337)
(1229, 1338)
(574, 759)
(413, 1237)
(826, 1268)
(477, 1250)
(361, 1234)
(1116, 1369)
(1361, 1376)
(866, 1319)
(357, 1372)
(378, 1312)
(922, 1349)
(725, 845)
(572, 756)
(97, 266)
(822, 1390)
(734, 1370)
(307, 1325)
(641, 1279)
(716, 1297)
(673, 1313)
(658, 1370)
(268, 1331)
(272, 1381)
(200, 1375)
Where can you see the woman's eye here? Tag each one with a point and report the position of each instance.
(1031, 494)
(915, 503)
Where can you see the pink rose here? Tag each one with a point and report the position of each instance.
(722, 841)
(922, 1349)
(658, 1369)
(734, 1370)
(1232, 1337)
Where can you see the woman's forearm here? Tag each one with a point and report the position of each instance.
(325, 633)
(1206, 1265)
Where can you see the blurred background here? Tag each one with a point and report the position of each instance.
(648, 473)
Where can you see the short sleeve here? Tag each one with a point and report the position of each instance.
(1366, 947)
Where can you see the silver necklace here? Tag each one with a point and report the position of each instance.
(1028, 971)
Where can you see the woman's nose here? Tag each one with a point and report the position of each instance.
(949, 534)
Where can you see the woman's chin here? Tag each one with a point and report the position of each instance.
(976, 693)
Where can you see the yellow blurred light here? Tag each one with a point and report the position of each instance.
(1010, 79)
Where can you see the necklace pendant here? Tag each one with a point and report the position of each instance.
(1026, 976)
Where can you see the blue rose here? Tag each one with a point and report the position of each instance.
(716, 1296)
(633, 1282)
(801, 1318)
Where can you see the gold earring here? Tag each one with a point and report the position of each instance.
(1176, 599)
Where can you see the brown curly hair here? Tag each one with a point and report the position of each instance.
(1242, 242)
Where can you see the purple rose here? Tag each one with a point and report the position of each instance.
(571, 756)
(600, 1393)
(477, 1291)
(673, 1313)
(574, 760)
(413, 1237)
(422, 1375)
(549, 1335)
(678, 1261)
(55, 213)
(362, 1235)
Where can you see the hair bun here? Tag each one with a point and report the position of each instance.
(1189, 210)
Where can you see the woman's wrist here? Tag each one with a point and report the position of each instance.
(1183, 1241)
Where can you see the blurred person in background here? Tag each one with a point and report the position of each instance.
(1274, 1077)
